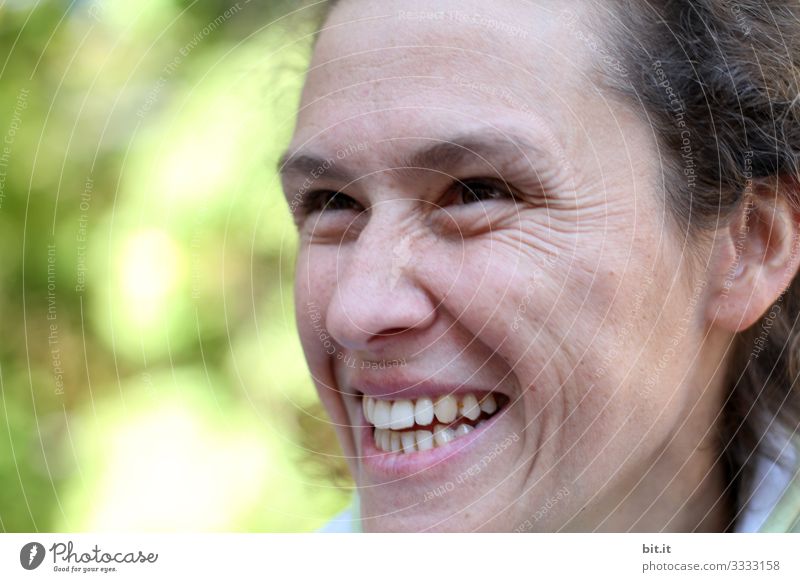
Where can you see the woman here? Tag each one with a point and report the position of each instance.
(548, 256)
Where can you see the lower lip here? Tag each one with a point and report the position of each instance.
(430, 463)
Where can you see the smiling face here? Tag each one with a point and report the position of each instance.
(496, 317)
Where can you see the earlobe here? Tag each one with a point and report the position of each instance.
(754, 260)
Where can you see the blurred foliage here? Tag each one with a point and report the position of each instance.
(151, 378)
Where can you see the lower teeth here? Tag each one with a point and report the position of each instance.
(410, 441)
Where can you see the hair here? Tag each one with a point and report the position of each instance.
(718, 82)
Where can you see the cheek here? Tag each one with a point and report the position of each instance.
(538, 309)
(315, 278)
(575, 326)
(489, 286)
(632, 378)
(314, 286)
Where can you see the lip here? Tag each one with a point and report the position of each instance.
(433, 463)
(396, 388)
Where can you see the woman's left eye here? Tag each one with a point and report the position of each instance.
(472, 191)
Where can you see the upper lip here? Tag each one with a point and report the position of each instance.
(395, 388)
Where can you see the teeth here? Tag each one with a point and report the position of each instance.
(424, 440)
(423, 411)
(468, 407)
(387, 440)
(392, 418)
(408, 439)
(443, 435)
(402, 414)
(382, 414)
(382, 439)
(463, 429)
(446, 409)
(489, 404)
(369, 406)
(395, 445)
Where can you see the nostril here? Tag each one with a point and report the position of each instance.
(391, 331)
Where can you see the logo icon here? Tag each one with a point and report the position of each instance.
(31, 555)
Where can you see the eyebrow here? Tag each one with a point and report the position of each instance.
(304, 164)
(442, 154)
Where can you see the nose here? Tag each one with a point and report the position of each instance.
(378, 296)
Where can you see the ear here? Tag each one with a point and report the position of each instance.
(755, 258)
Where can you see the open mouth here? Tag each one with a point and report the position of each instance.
(413, 425)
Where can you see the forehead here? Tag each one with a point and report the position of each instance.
(395, 68)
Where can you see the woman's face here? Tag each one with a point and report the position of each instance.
(480, 223)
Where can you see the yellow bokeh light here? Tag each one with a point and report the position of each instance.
(152, 268)
(170, 470)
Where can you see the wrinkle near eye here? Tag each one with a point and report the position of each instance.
(476, 218)
(329, 201)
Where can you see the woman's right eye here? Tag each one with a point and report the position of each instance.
(329, 200)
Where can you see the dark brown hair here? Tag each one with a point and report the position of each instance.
(718, 82)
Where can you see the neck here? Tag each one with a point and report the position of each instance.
(678, 494)
(686, 487)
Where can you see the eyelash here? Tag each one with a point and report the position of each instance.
(330, 200)
(473, 186)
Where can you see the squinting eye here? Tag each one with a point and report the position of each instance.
(472, 191)
(329, 200)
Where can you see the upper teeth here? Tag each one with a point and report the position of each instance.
(404, 413)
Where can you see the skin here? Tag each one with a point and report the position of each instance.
(574, 297)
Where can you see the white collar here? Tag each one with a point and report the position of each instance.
(770, 480)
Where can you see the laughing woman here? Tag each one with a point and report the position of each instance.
(548, 256)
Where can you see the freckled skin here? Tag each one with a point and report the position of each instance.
(564, 298)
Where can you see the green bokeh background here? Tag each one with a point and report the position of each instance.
(151, 378)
